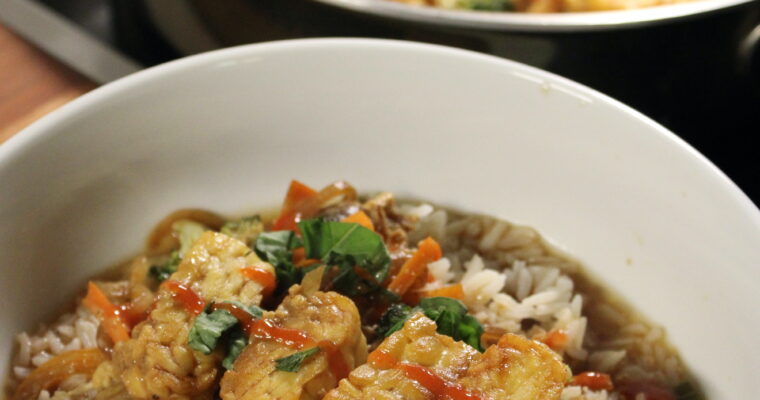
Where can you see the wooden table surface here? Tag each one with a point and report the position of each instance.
(32, 84)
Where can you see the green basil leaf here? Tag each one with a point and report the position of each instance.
(393, 319)
(292, 363)
(277, 249)
(246, 229)
(236, 342)
(486, 5)
(162, 272)
(211, 325)
(450, 317)
(470, 332)
(255, 311)
(341, 243)
(208, 328)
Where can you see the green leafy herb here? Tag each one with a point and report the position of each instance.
(277, 246)
(486, 5)
(346, 245)
(450, 317)
(162, 272)
(255, 311)
(247, 229)
(292, 363)
(236, 342)
(277, 249)
(338, 244)
(393, 319)
(208, 329)
(188, 232)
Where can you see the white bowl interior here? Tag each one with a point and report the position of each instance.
(228, 130)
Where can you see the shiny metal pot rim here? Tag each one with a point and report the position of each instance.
(555, 22)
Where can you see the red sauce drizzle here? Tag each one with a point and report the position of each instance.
(131, 317)
(193, 303)
(262, 277)
(265, 329)
(335, 359)
(245, 319)
(435, 384)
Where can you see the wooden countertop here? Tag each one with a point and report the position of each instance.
(32, 84)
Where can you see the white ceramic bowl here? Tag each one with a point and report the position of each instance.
(227, 130)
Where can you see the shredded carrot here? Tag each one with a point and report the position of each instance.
(593, 380)
(414, 294)
(110, 316)
(428, 251)
(556, 340)
(360, 218)
(56, 370)
(261, 276)
(453, 291)
(292, 208)
(299, 254)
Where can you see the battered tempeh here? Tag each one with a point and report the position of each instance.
(157, 361)
(514, 369)
(325, 317)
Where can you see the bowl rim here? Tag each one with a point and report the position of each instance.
(535, 23)
(43, 128)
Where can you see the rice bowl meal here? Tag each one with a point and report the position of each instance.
(341, 296)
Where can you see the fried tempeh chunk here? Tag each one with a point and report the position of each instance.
(517, 368)
(324, 319)
(418, 363)
(157, 361)
(416, 343)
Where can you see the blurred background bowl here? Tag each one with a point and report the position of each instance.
(693, 67)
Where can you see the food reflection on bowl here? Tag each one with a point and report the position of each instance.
(472, 134)
(541, 6)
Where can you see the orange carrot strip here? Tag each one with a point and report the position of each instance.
(428, 251)
(360, 218)
(296, 199)
(453, 291)
(593, 380)
(57, 369)
(299, 254)
(414, 294)
(261, 276)
(97, 302)
(556, 340)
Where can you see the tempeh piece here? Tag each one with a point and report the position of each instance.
(157, 361)
(326, 320)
